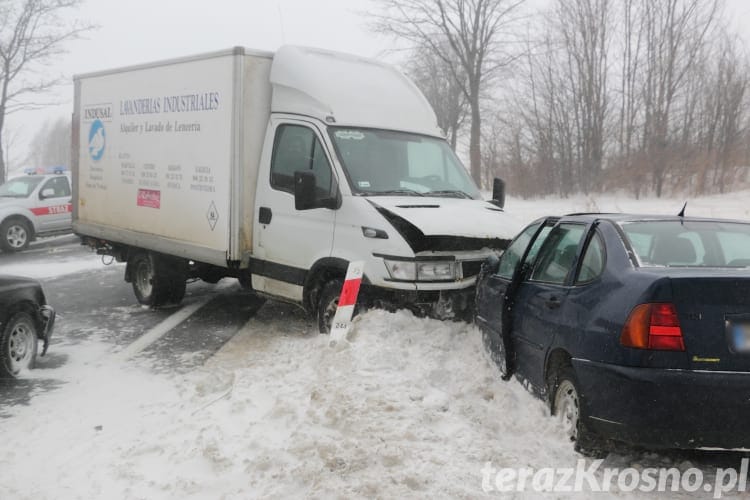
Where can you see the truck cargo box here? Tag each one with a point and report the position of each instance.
(168, 153)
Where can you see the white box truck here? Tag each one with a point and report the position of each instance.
(278, 169)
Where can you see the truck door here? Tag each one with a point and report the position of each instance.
(53, 208)
(288, 242)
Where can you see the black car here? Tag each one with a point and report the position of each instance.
(25, 319)
(634, 328)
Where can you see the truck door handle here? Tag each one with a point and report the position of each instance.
(264, 215)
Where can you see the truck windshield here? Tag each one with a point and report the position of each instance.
(21, 187)
(380, 162)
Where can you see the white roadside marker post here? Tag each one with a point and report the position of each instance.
(342, 321)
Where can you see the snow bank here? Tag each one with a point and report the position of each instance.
(406, 407)
(729, 206)
(52, 269)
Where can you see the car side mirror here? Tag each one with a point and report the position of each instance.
(498, 192)
(305, 193)
(47, 193)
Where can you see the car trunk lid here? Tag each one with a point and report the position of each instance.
(714, 314)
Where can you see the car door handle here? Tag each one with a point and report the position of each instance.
(552, 303)
(265, 215)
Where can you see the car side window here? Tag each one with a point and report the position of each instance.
(592, 262)
(59, 185)
(557, 256)
(297, 148)
(512, 255)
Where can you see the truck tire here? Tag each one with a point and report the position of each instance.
(155, 280)
(328, 302)
(15, 235)
(18, 345)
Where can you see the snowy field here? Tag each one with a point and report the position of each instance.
(405, 407)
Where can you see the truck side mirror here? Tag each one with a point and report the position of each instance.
(47, 193)
(498, 192)
(305, 193)
(304, 190)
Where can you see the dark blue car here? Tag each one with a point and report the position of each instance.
(634, 328)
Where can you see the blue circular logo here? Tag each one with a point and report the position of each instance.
(97, 140)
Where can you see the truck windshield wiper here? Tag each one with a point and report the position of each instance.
(455, 192)
(409, 192)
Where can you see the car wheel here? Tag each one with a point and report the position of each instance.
(566, 405)
(18, 345)
(16, 235)
(153, 283)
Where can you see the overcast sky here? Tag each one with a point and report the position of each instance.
(136, 31)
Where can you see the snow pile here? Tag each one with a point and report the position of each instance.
(728, 206)
(52, 269)
(407, 407)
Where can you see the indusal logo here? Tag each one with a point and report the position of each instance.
(97, 115)
(97, 140)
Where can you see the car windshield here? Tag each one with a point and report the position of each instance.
(20, 187)
(379, 162)
(674, 243)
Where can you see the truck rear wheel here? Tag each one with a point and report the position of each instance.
(155, 280)
(15, 235)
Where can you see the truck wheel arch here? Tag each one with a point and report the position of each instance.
(323, 271)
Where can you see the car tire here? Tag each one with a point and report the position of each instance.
(567, 407)
(155, 282)
(18, 345)
(15, 235)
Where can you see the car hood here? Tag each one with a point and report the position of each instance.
(451, 216)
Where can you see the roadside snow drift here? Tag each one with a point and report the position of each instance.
(406, 407)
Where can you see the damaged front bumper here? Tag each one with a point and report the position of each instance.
(439, 304)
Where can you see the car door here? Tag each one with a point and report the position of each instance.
(53, 207)
(288, 241)
(495, 291)
(539, 303)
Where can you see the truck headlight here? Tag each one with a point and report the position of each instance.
(421, 270)
(435, 271)
(402, 270)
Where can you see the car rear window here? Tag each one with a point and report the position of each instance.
(674, 243)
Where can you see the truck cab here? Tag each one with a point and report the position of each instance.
(354, 167)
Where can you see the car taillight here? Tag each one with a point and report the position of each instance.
(653, 326)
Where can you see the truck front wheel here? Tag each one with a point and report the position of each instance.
(15, 235)
(328, 302)
(155, 280)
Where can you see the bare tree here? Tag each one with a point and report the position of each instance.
(10, 140)
(52, 144)
(676, 31)
(480, 42)
(32, 34)
(442, 88)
